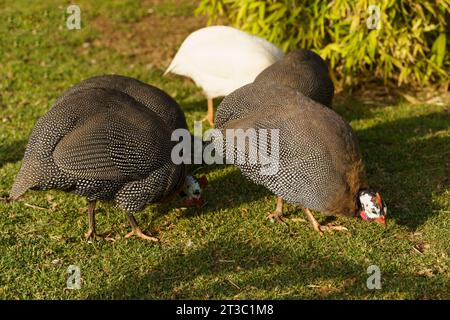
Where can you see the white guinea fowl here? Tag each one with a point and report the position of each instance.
(221, 59)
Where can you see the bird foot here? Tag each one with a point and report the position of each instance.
(92, 235)
(276, 216)
(138, 233)
(319, 228)
(330, 228)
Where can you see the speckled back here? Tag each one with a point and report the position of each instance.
(302, 70)
(317, 147)
(153, 98)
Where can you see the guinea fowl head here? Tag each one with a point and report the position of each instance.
(372, 207)
(192, 191)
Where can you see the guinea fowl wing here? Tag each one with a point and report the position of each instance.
(302, 167)
(151, 97)
(252, 98)
(115, 146)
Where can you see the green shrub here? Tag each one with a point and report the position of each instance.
(410, 47)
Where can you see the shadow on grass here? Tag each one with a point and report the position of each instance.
(233, 190)
(236, 269)
(220, 193)
(227, 191)
(352, 109)
(408, 166)
(12, 152)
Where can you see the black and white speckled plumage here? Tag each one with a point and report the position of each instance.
(302, 70)
(102, 143)
(153, 98)
(318, 149)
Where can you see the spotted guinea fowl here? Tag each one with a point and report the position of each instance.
(108, 138)
(221, 59)
(318, 165)
(304, 71)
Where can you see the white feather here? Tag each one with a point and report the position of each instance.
(221, 59)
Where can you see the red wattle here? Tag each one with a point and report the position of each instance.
(362, 213)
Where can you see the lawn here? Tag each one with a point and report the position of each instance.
(227, 249)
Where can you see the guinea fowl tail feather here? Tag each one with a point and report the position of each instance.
(24, 181)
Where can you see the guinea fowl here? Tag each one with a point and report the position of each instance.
(221, 59)
(302, 70)
(109, 138)
(319, 164)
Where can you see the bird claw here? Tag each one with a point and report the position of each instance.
(276, 216)
(138, 233)
(92, 235)
(330, 228)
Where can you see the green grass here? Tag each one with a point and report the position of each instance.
(227, 249)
